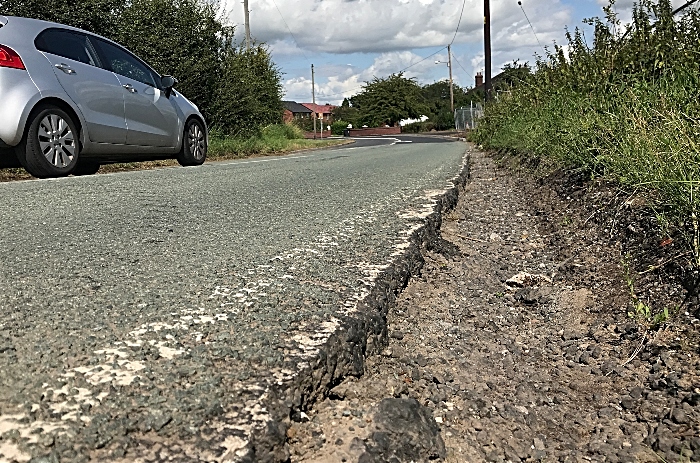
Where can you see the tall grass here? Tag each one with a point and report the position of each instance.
(626, 107)
(273, 139)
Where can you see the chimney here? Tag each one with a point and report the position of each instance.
(479, 79)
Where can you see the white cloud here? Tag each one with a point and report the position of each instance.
(386, 36)
(338, 82)
(348, 26)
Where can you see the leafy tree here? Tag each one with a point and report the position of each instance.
(249, 92)
(346, 112)
(437, 97)
(98, 16)
(388, 100)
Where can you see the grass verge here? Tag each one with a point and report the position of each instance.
(274, 140)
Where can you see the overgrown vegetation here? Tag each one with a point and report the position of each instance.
(625, 107)
(237, 91)
(273, 139)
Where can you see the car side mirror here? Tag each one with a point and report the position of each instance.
(168, 82)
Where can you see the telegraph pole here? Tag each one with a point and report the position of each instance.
(449, 64)
(487, 49)
(247, 25)
(313, 98)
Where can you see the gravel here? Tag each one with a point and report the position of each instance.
(549, 369)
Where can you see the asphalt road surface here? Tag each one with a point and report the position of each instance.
(141, 313)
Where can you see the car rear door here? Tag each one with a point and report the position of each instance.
(151, 117)
(97, 92)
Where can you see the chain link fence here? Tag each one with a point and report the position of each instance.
(466, 118)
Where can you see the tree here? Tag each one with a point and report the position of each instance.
(98, 16)
(346, 112)
(437, 98)
(248, 95)
(389, 100)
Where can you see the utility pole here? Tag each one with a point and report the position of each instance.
(313, 98)
(487, 49)
(247, 25)
(449, 64)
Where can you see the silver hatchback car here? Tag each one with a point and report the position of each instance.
(72, 100)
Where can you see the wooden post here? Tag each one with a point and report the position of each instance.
(487, 49)
(247, 25)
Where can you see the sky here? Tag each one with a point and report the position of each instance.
(350, 42)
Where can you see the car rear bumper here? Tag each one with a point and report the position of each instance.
(18, 93)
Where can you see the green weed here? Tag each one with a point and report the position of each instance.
(641, 311)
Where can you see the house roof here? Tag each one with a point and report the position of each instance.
(321, 109)
(295, 107)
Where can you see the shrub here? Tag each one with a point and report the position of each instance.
(338, 127)
(282, 131)
(418, 127)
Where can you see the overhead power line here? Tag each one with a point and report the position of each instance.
(533, 29)
(683, 7)
(674, 12)
(459, 22)
(290, 31)
(460, 65)
(402, 70)
(418, 62)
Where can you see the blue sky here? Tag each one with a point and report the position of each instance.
(351, 41)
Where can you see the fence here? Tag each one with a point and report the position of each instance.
(466, 118)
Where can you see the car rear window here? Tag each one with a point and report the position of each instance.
(65, 43)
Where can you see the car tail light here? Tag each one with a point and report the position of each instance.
(9, 58)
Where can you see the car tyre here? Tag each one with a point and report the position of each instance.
(50, 146)
(194, 144)
(86, 168)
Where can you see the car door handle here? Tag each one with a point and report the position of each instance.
(130, 88)
(65, 68)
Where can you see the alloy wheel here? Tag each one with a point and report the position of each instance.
(56, 140)
(196, 141)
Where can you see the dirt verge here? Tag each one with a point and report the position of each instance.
(516, 338)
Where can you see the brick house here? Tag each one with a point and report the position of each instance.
(324, 112)
(295, 111)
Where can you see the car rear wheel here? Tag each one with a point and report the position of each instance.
(194, 144)
(50, 147)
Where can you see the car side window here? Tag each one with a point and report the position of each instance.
(67, 44)
(122, 62)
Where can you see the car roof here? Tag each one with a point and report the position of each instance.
(32, 27)
(17, 29)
